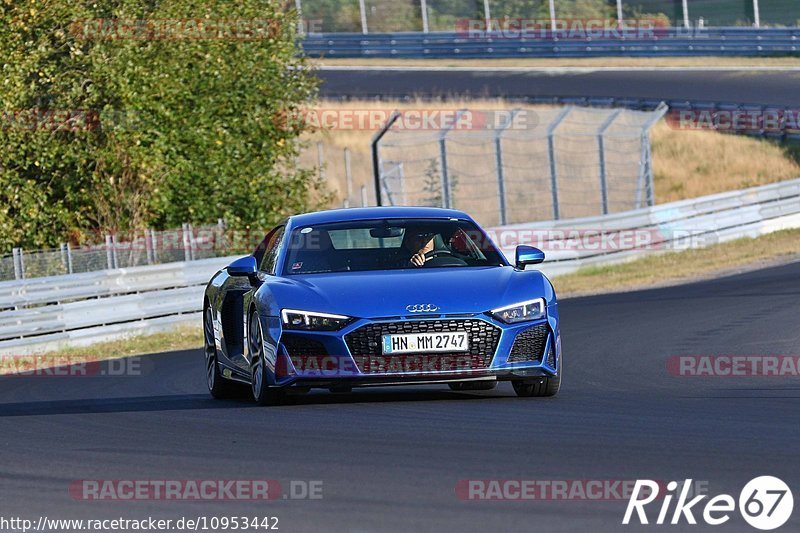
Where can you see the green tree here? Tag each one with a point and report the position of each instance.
(181, 119)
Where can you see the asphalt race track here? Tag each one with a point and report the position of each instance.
(765, 87)
(389, 459)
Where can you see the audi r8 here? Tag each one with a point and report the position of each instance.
(380, 296)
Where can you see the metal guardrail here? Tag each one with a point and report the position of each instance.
(666, 42)
(44, 313)
(573, 244)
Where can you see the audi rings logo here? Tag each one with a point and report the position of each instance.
(422, 308)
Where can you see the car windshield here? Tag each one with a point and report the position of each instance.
(388, 244)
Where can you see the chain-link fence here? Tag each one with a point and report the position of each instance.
(376, 16)
(525, 166)
(146, 247)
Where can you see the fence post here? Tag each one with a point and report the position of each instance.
(551, 154)
(19, 264)
(756, 14)
(447, 200)
(109, 252)
(192, 242)
(348, 175)
(601, 150)
(63, 247)
(114, 250)
(553, 17)
(498, 159)
(487, 16)
(376, 160)
(686, 14)
(187, 247)
(646, 166)
(363, 9)
(445, 179)
(220, 238)
(69, 259)
(154, 241)
(619, 14)
(321, 160)
(363, 196)
(423, 6)
(300, 25)
(148, 246)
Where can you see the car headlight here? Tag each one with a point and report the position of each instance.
(521, 312)
(309, 320)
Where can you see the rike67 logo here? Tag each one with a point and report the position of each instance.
(765, 503)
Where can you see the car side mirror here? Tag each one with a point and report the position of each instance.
(246, 266)
(528, 255)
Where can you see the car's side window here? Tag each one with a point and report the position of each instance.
(271, 251)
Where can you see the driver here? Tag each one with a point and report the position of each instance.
(416, 243)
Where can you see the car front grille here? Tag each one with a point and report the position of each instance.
(364, 344)
(529, 345)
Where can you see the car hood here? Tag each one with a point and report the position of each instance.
(383, 294)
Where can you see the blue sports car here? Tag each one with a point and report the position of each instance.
(380, 296)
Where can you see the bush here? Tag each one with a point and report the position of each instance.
(110, 126)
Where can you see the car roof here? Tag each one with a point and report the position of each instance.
(372, 213)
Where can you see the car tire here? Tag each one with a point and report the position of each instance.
(219, 387)
(470, 386)
(262, 393)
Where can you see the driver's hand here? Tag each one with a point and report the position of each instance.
(418, 259)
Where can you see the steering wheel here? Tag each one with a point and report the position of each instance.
(437, 253)
(439, 258)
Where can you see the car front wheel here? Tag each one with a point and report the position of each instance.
(263, 394)
(218, 386)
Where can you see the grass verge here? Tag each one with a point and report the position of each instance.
(184, 337)
(689, 265)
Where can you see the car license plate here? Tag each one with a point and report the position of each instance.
(454, 341)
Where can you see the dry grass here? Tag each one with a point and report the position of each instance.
(686, 164)
(789, 61)
(670, 268)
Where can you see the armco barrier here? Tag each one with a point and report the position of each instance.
(707, 220)
(665, 42)
(44, 313)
